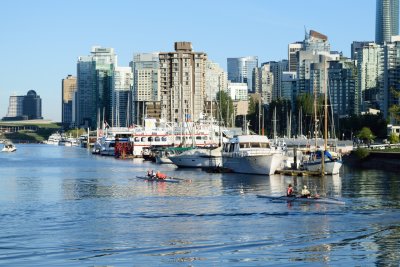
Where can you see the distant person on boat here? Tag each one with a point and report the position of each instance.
(160, 175)
(290, 192)
(305, 193)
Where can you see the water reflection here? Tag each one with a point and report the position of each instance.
(63, 206)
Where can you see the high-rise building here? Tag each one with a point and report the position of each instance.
(356, 46)
(316, 42)
(370, 70)
(146, 87)
(240, 70)
(293, 49)
(94, 75)
(15, 107)
(68, 87)
(288, 86)
(387, 20)
(391, 85)
(182, 88)
(121, 97)
(316, 50)
(216, 81)
(277, 68)
(342, 84)
(27, 107)
(32, 106)
(266, 83)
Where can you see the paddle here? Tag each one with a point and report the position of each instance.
(180, 179)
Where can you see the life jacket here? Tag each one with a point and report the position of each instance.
(290, 191)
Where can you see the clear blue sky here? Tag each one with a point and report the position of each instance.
(42, 39)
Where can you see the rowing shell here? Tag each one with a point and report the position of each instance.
(303, 199)
(168, 180)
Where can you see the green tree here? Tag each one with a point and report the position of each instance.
(394, 110)
(305, 106)
(253, 113)
(354, 124)
(366, 135)
(394, 138)
(281, 108)
(226, 110)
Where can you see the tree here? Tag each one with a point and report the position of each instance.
(394, 109)
(366, 135)
(354, 124)
(225, 104)
(281, 108)
(394, 138)
(252, 113)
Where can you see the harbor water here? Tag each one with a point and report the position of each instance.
(63, 206)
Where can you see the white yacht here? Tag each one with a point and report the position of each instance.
(253, 154)
(9, 147)
(54, 139)
(198, 158)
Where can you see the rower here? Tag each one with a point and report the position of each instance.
(290, 192)
(305, 193)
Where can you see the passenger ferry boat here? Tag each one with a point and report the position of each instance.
(159, 134)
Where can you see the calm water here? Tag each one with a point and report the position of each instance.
(62, 206)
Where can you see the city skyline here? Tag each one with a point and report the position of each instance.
(43, 40)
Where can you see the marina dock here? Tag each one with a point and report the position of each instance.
(298, 172)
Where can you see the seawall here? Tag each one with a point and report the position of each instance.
(381, 160)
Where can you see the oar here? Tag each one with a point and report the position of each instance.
(181, 179)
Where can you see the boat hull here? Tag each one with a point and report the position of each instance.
(198, 158)
(304, 200)
(330, 167)
(9, 150)
(253, 164)
(196, 161)
(167, 180)
(163, 160)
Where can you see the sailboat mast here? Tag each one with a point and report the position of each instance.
(315, 116)
(274, 123)
(325, 91)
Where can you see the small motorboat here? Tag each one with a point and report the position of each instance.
(9, 147)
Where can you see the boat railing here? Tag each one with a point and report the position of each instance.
(255, 152)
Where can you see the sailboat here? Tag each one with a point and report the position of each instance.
(322, 160)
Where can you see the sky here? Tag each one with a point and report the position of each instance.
(41, 40)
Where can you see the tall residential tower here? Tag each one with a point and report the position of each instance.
(387, 20)
(182, 88)
(68, 90)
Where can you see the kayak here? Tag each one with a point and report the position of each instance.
(305, 199)
(151, 179)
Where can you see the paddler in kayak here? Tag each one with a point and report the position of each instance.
(290, 192)
(151, 174)
(160, 175)
(305, 193)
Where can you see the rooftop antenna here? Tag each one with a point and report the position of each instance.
(305, 32)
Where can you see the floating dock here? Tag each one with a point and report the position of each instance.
(298, 172)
